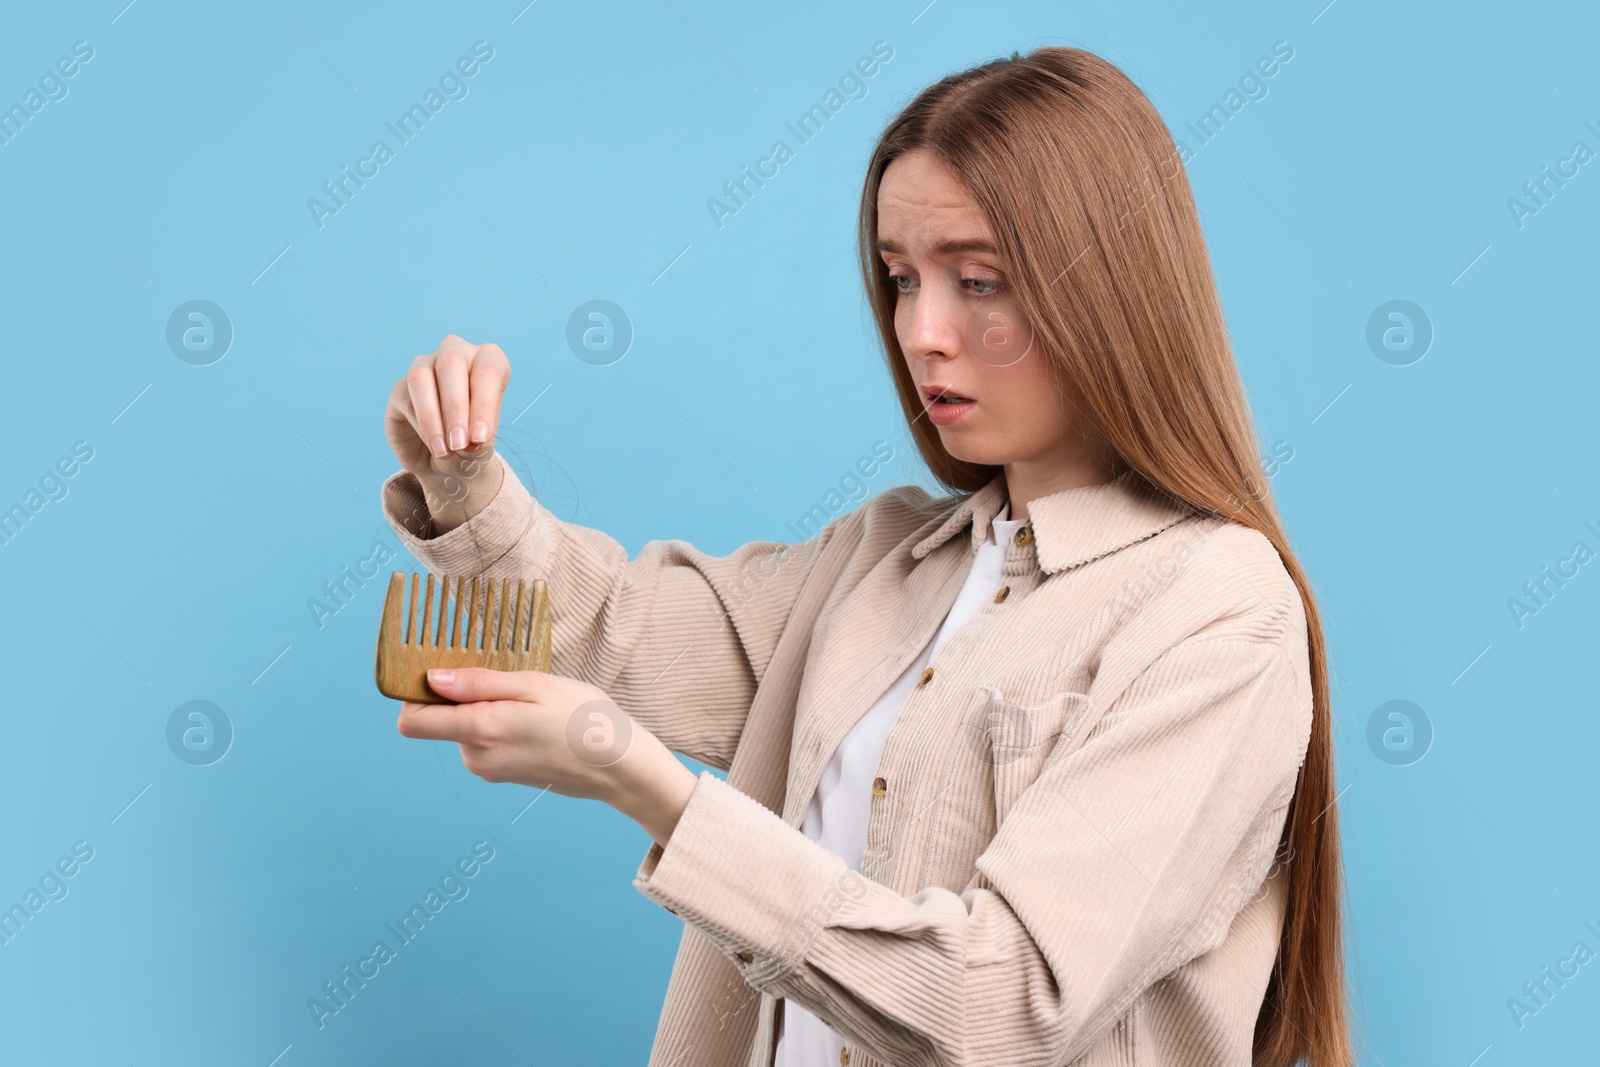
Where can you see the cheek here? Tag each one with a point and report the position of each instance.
(1026, 400)
(1027, 386)
(1000, 336)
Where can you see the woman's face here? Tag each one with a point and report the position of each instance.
(964, 335)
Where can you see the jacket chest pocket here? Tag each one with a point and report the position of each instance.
(996, 755)
(1011, 741)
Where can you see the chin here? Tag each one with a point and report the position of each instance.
(976, 448)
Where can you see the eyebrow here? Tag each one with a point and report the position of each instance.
(946, 247)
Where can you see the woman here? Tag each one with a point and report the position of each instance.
(1037, 773)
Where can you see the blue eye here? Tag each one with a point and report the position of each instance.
(976, 286)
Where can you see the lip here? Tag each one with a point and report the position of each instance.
(945, 414)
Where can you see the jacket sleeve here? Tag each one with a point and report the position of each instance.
(1126, 857)
(678, 638)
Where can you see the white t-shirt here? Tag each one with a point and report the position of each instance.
(837, 816)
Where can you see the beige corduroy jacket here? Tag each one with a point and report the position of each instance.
(1071, 851)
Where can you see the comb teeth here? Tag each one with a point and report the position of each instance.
(450, 622)
(484, 617)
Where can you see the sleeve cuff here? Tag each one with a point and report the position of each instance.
(501, 529)
(756, 886)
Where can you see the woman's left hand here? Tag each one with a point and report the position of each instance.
(550, 732)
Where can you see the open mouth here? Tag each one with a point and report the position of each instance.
(937, 394)
(946, 408)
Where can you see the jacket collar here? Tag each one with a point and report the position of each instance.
(1072, 526)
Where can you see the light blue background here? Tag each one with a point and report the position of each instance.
(180, 563)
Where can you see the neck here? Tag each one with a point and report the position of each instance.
(1028, 480)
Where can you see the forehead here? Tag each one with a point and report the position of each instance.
(919, 198)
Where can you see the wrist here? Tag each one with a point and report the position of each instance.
(651, 787)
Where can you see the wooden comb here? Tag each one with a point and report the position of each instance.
(515, 639)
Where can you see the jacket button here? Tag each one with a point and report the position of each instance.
(1023, 536)
(880, 787)
(927, 676)
(1000, 596)
(745, 956)
(844, 1056)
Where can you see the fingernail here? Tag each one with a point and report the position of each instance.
(458, 437)
(441, 677)
(437, 446)
(480, 430)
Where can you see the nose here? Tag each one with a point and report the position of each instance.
(932, 324)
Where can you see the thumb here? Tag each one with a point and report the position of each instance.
(467, 684)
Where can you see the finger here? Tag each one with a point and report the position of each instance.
(405, 436)
(400, 416)
(400, 406)
(454, 360)
(491, 371)
(423, 393)
(467, 684)
(434, 722)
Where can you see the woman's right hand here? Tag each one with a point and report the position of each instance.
(441, 422)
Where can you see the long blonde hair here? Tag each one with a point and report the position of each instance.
(1094, 218)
